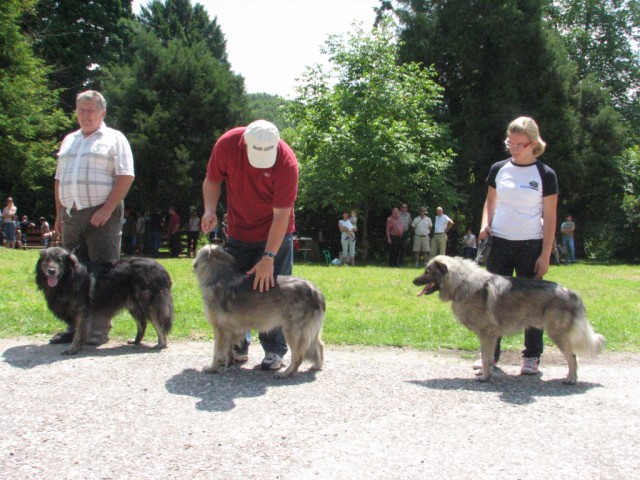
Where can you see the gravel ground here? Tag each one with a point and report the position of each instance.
(119, 412)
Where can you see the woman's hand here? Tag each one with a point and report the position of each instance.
(484, 232)
(542, 266)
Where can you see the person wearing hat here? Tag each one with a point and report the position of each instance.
(261, 176)
(421, 227)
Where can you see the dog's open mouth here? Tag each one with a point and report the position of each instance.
(52, 281)
(428, 289)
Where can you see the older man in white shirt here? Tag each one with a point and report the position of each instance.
(95, 171)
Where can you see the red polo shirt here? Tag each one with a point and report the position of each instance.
(253, 193)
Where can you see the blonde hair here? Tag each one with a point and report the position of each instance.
(528, 127)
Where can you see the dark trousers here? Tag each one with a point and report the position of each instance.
(174, 244)
(394, 250)
(507, 256)
(247, 254)
(403, 247)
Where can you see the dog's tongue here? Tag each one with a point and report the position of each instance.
(424, 290)
(52, 281)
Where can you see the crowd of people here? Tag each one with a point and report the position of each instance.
(21, 233)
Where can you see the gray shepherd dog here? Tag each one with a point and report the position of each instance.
(232, 307)
(78, 294)
(493, 306)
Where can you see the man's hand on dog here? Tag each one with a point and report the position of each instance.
(263, 275)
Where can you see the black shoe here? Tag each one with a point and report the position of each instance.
(62, 337)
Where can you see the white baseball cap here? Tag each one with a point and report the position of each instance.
(262, 140)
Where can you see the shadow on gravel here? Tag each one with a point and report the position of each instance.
(218, 391)
(31, 356)
(512, 389)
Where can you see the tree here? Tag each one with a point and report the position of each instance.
(601, 37)
(268, 107)
(75, 38)
(29, 119)
(179, 20)
(172, 100)
(369, 140)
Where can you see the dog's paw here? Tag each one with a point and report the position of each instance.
(288, 373)
(70, 351)
(211, 369)
(570, 381)
(482, 378)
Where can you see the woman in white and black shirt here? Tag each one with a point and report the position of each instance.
(520, 215)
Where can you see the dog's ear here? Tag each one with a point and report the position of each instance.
(43, 252)
(441, 266)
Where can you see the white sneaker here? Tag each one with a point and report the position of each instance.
(529, 366)
(271, 361)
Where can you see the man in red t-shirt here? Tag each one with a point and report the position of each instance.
(261, 176)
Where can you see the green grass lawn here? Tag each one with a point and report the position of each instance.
(369, 305)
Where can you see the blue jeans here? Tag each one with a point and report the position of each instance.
(247, 254)
(9, 231)
(521, 256)
(570, 249)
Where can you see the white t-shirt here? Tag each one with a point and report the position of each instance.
(520, 190)
(346, 224)
(441, 223)
(422, 226)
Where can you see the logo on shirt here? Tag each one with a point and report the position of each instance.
(533, 185)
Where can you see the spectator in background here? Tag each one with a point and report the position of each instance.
(156, 223)
(25, 224)
(394, 230)
(470, 245)
(175, 231)
(194, 234)
(347, 239)
(421, 227)
(405, 217)
(45, 232)
(138, 245)
(441, 227)
(128, 231)
(567, 229)
(9, 223)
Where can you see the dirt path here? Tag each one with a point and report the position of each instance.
(120, 412)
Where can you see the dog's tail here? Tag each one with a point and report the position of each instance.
(583, 340)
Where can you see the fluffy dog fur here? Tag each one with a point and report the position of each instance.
(232, 307)
(493, 306)
(78, 294)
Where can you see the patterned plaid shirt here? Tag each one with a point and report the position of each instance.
(88, 167)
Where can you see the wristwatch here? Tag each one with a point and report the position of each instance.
(270, 255)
